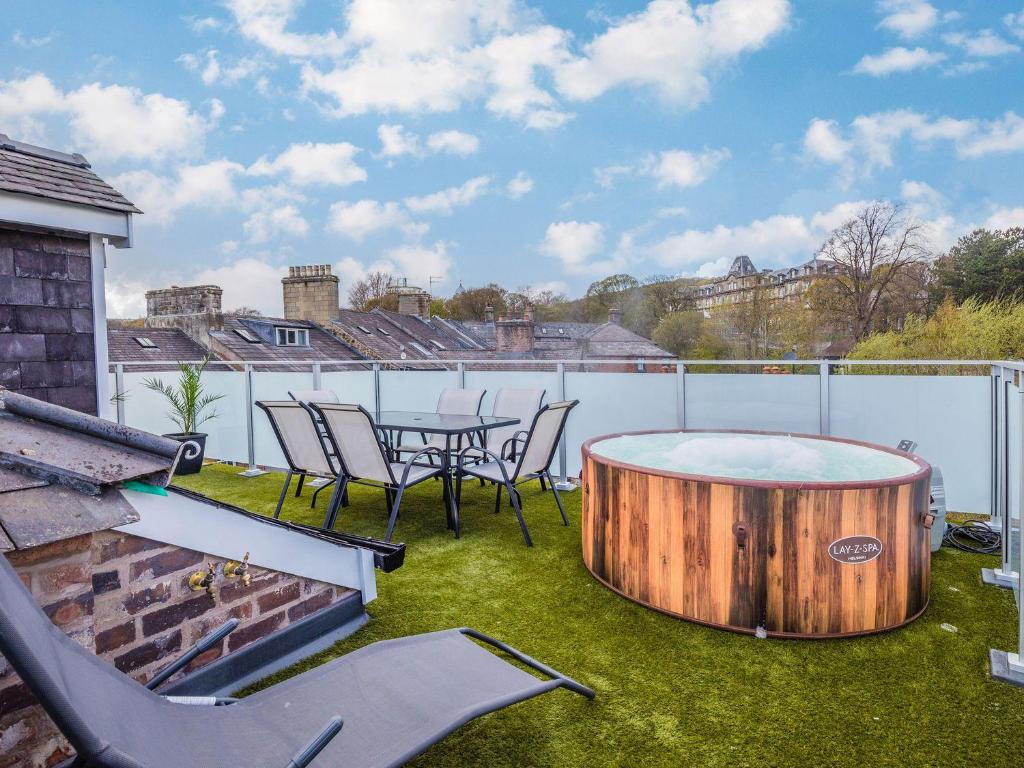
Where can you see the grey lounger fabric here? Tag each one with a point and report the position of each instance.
(395, 697)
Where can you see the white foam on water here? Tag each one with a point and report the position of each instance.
(755, 457)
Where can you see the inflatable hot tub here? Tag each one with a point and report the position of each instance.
(768, 533)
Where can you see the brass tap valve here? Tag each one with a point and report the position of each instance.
(238, 570)
(201, 580)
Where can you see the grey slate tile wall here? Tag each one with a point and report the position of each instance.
(46, 327)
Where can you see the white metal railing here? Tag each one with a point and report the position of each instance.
(972, 426)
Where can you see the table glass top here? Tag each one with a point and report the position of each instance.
(440, 423)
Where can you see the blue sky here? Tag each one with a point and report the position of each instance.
(542, 144)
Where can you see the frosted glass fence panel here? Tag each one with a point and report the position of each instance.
(1014, 458)
(414, 390)
(148, 410)
(492, 381)
(273, 385)
(616, 402)
(354, 386)
(948, 416)
(780, 403)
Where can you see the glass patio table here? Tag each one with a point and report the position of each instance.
(455, 428)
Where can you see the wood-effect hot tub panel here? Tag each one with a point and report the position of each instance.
(673, 544)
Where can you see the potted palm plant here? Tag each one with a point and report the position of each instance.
(190, 406)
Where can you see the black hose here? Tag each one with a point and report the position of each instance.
(972, 536)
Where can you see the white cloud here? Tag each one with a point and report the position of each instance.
(1004, 218)
(213, 72)
(414, 57)
(314, 164)
(519, 186)
(366, 217)
(117, 122)
(286, 220)
(985, 44)
(417, 263)
(22, 40)
(446, 200)
(870, 140)
(266, 21)
(395, 141)
(672, 48)
(111, 122)
(679, 168)
(125, 298)
(908, 18)
(575, 244)
(249, 282)
(898, 60)
(22, 102)
(209, 186)
(453, 143)
(1015, 23)
(824, 141)
(200, 24)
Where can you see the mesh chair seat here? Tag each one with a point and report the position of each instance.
(491, 470)
(417, 472)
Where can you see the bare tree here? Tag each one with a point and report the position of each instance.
(871, 253)
(371, 291)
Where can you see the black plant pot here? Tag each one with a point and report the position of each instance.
(191, 460)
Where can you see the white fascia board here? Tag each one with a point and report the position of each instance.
(44, 213)
(192, 524)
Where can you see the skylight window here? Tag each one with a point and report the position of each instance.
(247, 336)
(437, 344)
(383, 331)
(145, 342)
(364, 330)
(292, 337)
(420, 347)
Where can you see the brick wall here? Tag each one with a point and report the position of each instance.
(46, 333)
(127, 599)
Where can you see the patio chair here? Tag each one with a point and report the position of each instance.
(364, 460)
(532, 462)
(522, 404)
(313, 395)
(453, 400)
(395, 698)
(302, 444)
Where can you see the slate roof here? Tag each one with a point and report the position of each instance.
(30, 170)
(575, 341)
(60, 470)
(378, 338)
(171, 344)
(229, 345)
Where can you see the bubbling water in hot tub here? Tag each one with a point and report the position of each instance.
(781, 458)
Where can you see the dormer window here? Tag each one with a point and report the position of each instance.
(292, 337)
(145, 342)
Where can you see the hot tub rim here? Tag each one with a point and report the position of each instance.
(924, 468)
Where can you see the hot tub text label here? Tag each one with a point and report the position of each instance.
(855, 549)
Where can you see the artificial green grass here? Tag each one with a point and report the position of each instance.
(671, 693)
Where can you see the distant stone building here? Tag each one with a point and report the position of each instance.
(744, 278)
(316, 328)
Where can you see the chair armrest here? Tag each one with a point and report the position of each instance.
(313, 748)
(204, 644)
(513, 440)
(411, 462)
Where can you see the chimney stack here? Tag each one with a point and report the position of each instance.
(311, 294)
(514, 335)
(195, 309)
(615, 316)
(413, 301)
(489, 314)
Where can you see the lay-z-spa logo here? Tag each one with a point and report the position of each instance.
(855, 549)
